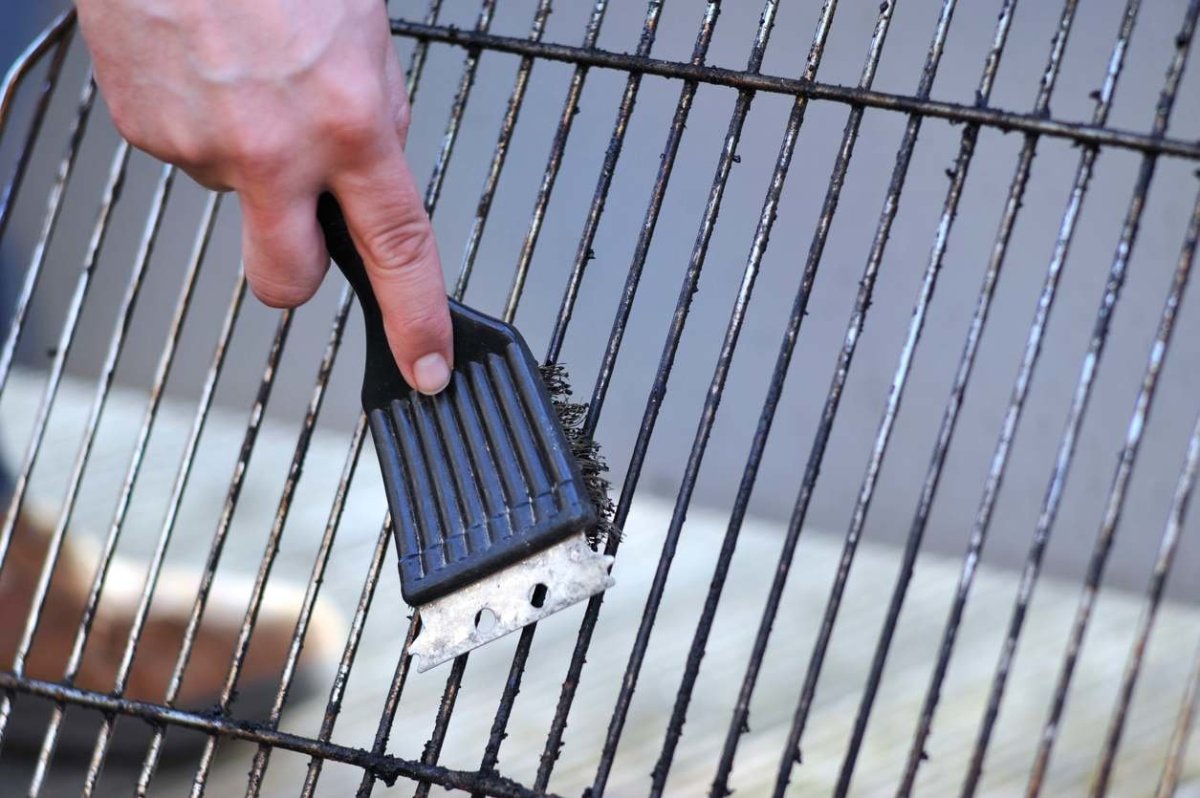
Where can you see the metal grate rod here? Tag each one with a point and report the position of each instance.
(1066, 450)
(670, 151)
(350, 651)
(1169, 542)
(1029, 360)
(499, 154)
(837, 387)
(309, 603)
(403, 666)
(434, 190)
(112, 191)
(233, 492)
(416, 64)
(1016, 195)
(1173, 765)
(111, 195)
(958, 176)
(116, 173)
(758, 247)
(512, 684)
(713, 397)
(553, 163)
(38, 260)
(591, 223)
(387, 767)
(89, 612)
(104, 385)
(732, 78)
(1137, 424)
(58, 35)
(303, 441)
(183, 305)
(787, 345)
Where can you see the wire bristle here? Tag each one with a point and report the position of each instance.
(585, 450)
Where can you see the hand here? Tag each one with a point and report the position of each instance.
(280, 100)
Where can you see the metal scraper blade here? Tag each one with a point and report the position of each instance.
(516, 596)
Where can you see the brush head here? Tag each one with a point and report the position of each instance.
(592, 466)
(481, 475)
(491, 508)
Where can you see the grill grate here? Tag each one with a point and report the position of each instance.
(32, 92)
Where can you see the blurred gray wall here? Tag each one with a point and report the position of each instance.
(20, 20)
(1155, 255)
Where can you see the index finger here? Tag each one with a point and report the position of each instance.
(387, 220)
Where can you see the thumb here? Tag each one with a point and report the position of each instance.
(391, 230)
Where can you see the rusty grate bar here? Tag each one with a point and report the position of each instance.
(386, 767)
(1091, 134)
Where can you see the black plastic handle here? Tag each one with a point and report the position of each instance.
(382, 380)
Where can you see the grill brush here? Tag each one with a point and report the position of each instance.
(496, 496)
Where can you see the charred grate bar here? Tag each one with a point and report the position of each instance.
(542, 724)
(979, 114)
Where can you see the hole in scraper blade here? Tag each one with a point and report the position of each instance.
(538, 597)
(485, 621)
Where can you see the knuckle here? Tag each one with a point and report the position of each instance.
(278, 293)
(209, 179)
(402, 247)
(425, 321)
(190, 152)
(182, 149)
(351, 131)
(255, 154)
(352, 114)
